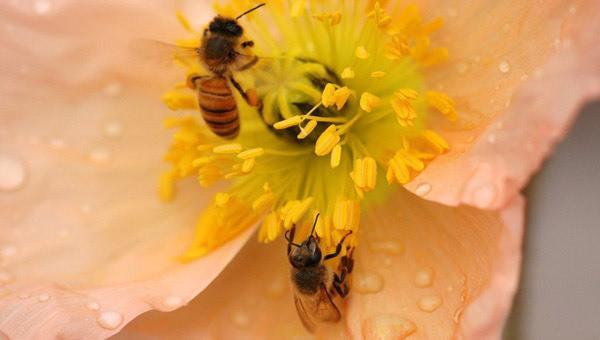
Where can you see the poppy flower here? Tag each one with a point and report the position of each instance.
(412, 126)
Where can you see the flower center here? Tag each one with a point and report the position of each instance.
(345, 113)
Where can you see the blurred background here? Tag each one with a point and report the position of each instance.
(560, 286)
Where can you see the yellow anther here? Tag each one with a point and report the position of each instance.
(166, 186)
(263, 201)
(406, 94)
(221, 199)
(369, 101)
(364, 174)
(336, 156)
(341, 96)
(308, 129)
(346, 215)
(328, 139)
(328, 96)
(443, 103)
(361, 52)
(248, 165)
(297, 9)
(179, 100)
(270, 228)
(226, 149)
(403, 109)
(208, 175)
(397, 172)
(377, 74)
(251, 153)
(329, 18)
(436, 140)
(198, 162)
(287, 123)
(233, 174)
(348, 73)
(184, 21)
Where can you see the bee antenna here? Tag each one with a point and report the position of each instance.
(250, 10)
(315, 224)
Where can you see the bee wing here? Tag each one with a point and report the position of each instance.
(304, 315)
(161, 53)
(326, 308)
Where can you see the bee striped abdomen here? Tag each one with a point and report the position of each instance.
(218, 107)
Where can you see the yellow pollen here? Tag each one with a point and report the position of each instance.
(346, 215)
(328, 97)
(361, 53)
(365, 173)
(308, 129)
(443, 103)
(248, 165)
(341, 96)
(178, 100)
(297, 8)
(407, 94)
(293, 211)
(270, 229)
(336, 156)
(287, 123)
(252, 153)
(225, 149)
(348, 73)
(328, 139)
(329, 18)
(369, 101)
(221, 199)
(436, 140)
(264, 201)
(377, 74)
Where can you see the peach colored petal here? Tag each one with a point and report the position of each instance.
(85, 244)
(452, 272)
(540, 61)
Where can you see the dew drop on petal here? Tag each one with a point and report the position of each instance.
(8, 250)
(100, 155)
(113, 129)
(5, 278)
(57, 143)
(391, 247)
(452, 12)
(423, 189)
(172, 302)
(429, 303)
(387, 326)
(504, 66)
(43, 297)
(491, 138)
(113, 89)
(41, 7)
(424, 277)
(276, 288)
(109, 319)
(93, 305)
(484, 195)
(12, 173)
(240, 319)
(368, 283)
(462, 68)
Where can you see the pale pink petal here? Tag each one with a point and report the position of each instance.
(85, 243)
(435, 272)
(520, 73)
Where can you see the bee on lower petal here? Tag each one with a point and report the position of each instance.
(315, 286)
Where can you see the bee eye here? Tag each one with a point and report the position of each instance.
(315, 258)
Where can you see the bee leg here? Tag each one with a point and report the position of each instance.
(252, 62)
(193, 79)
(249, 96)
(345, 267)
(338, 248)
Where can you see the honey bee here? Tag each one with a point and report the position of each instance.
(314, 284)
(223, 51)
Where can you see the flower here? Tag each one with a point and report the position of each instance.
(86, 247)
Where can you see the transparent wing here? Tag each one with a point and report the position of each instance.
(326, 310)
(161, 53)
(304, 315)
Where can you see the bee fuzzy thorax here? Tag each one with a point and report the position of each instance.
(334, 113)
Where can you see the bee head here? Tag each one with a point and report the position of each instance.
(225, 26)
(307, 254)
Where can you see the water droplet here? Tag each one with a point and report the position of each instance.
(452, 12)
(391, 247)
(538, 73)
(423, 189)
(276, 288)
(23, 296)
(172, 302)
(429, 303)
(12, 173)
(457, 314)
(100, 155)
(113, 129)
(93, 305)
(462, 68)
(449, 289)
(484, 195)
(57, 143)
(491, 138)
(368, 283)
(524, 77)
(388, 326)
(424, 277)
(113, 89)
(43, 297)
(110, 319)
(504, 66)
(8, 250)
(41, 7)
(6, 278)
(572, 9)
(240, 319)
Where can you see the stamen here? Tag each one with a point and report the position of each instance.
(336, 156)
(348, 73)
(361, 53)
(365, 173)
(369, 101)
(252, 153)
(226, 149)
(346, 215)
(328, 139)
